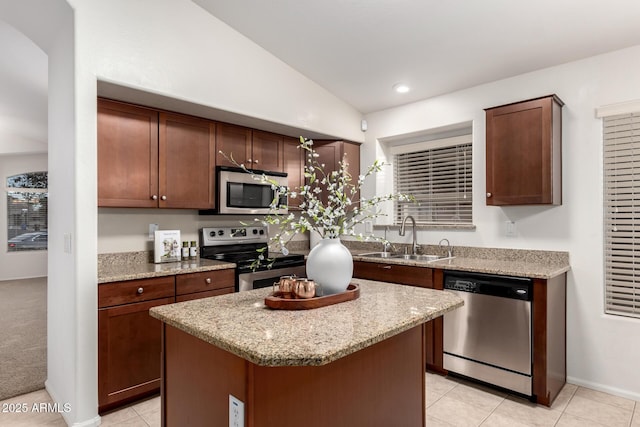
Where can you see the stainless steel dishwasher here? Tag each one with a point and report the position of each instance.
(489, 338)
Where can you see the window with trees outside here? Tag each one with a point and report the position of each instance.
(27, 206)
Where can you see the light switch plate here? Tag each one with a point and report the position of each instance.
(152, 230)
(368, 227)
(510, 229)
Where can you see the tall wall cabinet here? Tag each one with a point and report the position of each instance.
(524, 153)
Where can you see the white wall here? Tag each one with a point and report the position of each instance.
(173, 48)
(19, 265)
(603, 351)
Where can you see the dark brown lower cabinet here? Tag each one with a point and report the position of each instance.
(412, 276)
(128, 352)
(129, 340)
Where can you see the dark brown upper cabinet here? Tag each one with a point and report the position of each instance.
(524, 153)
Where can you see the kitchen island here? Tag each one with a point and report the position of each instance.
(355, 363)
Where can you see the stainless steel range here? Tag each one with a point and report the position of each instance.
(239, 245)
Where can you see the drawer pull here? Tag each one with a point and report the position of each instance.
(385, 267)
(140, 290)
(208, 280)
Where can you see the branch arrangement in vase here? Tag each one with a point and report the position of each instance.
(336, 217)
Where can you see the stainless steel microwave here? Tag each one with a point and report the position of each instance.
(240, 192)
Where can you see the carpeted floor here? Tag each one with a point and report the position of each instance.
(23, 336)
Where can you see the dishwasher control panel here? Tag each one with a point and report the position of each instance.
(500, 286)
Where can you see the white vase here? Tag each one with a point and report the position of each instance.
(330, 264)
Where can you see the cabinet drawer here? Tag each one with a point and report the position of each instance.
(205, 294)
(403, 274)
(205, 281)
(130, 291)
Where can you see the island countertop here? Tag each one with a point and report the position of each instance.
(241, 324)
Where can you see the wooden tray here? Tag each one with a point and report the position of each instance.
(277, 301)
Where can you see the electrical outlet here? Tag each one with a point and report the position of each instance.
(510, 230)
(152, 230)
(236, 412)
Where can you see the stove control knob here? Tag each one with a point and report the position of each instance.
(220, 232)
(255, 231)
(212, 234)
(261, 232)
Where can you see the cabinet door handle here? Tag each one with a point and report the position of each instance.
(208, 280)
(154, 197)
(255, 161)
(489, 194)
(164, 197)
(385, 267)
(140, 290)
(249, 161)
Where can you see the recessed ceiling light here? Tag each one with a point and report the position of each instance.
(401, 88)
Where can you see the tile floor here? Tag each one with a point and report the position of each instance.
(450, 402)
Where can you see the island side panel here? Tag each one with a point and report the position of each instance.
(381, 385)
(197, 380)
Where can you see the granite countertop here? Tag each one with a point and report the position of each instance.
(117, 271)
(521, 263)
(241, 324)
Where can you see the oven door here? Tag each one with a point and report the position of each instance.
(266, 278)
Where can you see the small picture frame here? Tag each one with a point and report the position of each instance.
(166, 246)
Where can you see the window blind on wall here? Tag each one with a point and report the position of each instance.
(440, 179)
(621, 135)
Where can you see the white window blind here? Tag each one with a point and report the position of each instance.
(622, 214)
(440, 179)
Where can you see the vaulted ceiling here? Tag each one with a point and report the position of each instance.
(358, 49)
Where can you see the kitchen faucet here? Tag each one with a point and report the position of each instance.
(415, 238)
(449, 249)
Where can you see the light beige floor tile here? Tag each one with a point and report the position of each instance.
(599, 412)
(148, 405)
(563, 398)
(457, 413)
(119, 415)
(34, 415)
(527, 413)
(152, 418)
(131, 422)
(601, 397)
(435, 422)
(439, 384)
(636, 416)
(497, 420)
(477, 395)
(568, 420)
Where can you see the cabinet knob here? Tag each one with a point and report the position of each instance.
(249, 161)
(488, 194)
(164, 197)
(208, 280)
(385, 267)
(154, 197)
(255, 161)
(140, 290)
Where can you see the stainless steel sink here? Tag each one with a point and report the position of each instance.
(426, 258)
(378, 255)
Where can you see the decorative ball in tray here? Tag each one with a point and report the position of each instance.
(299, 293)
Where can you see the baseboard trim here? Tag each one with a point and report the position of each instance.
(92, 422)
(604, 388)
